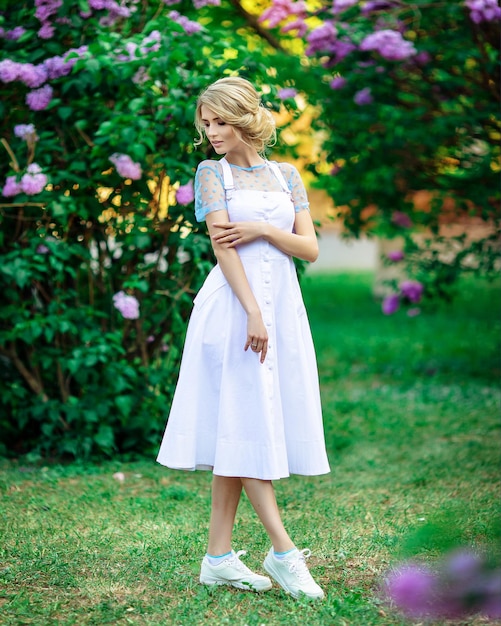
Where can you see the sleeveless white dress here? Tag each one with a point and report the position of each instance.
(230, 413)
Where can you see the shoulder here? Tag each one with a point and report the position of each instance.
(211, 165)
(289, 171)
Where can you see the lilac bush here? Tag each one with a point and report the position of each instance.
(100, 254)
(408, 101)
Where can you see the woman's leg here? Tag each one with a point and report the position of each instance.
(226, 492)
(262, 497)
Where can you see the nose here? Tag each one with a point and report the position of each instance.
(211, 131)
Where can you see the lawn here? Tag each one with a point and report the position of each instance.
(412, 422)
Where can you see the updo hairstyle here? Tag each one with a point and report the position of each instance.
(235, 101)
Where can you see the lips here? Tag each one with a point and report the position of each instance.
(216, 144)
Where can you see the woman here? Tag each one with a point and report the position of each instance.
(247, 402)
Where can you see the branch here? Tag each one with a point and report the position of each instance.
(14, 163)
(32, 382)
(252, 21)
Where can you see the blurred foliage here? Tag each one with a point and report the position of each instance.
(422, 148)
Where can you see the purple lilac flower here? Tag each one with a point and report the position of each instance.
(169, 3)
(42, 249)
(25, 131)
(376, 5)
(9, 71)
(57, 66)
(322, 39)
(39, 99)
(186, 24)
(127, 305)
(363, 97)
(11, 187)
(401, 219)
(97, 5)
(280, 10)
(198, 4)
(46, 31)
(412, 290)
(47, 8)
(33, 181)
(32, 75)
(390, 44)
(15, 33)
(185, 194)
(395, 256)
(391, 304)
(298, 25)
(287, 92)
(412, 588)
(483, 10)
(126, 167)
(337, 83)
(338, 6)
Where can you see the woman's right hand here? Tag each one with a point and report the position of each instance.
(257, 335)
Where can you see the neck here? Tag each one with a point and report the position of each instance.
(246, 157)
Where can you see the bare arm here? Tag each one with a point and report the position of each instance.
(302, 243)
(234, 272)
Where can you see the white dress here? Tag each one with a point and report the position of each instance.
(231, 413)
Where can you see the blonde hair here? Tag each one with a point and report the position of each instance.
(235, 101)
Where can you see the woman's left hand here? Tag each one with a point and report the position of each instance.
(236, 233)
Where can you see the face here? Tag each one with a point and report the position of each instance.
(221, 135)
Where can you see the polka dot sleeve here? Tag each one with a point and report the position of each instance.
(296, 186)
(209, 190)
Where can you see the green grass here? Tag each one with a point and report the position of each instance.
(412, 420)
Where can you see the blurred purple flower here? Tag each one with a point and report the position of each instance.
(337, 83)
(126, 167)
(127, 305)
(412, 588)
(39, 99)
(25, 131)
(390, 44)
(9, 71)
(376, 5)
(46, 31)
(412, 290)
(298, 25)
(391, 304)
(322, 39)
(287, 92)
(401, 219)
(338, 6)
(186, 24)
(15, 33)
(185, 193)
(280, 10)
(32, 75)
(363, 97)
(33, 182)
(483, 10)
(198, 4)
(11, 187)
(395, 256)
(413, 312)
(42, 249)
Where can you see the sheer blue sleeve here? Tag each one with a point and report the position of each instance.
(296, 186)
(209, 190)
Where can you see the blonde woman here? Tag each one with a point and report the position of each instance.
(247, 402)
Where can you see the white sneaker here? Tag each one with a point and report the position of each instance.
(292, 573)
(233, 572)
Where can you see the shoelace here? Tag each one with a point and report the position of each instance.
(299, 567)
(236, 562)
